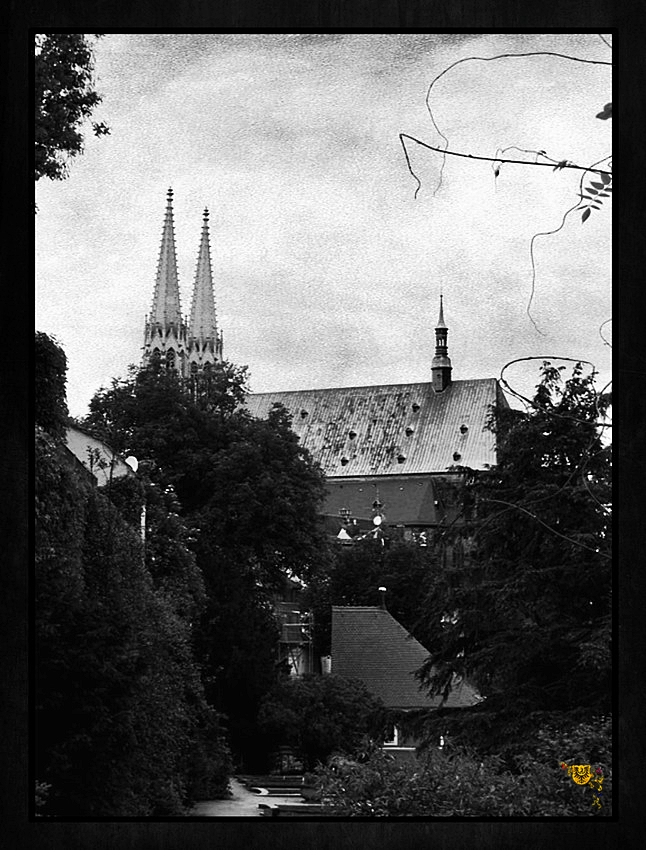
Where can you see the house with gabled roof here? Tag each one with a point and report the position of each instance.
(370, 645)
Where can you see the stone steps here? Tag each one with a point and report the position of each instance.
(287, 810)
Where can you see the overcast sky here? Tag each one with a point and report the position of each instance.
(327, 269)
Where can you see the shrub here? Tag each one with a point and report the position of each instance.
(319, 715)
(458, 782)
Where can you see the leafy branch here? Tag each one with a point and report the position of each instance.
(534, 404)
(497, 160)
(490, 59)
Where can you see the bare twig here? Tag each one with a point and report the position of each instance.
(591, 169)
(549, 527)
(491, 59)
(531, 257)
(602, 336)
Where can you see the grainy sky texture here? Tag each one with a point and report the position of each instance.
(327, 269)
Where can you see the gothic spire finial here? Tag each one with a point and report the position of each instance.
(166, 309)
(203, 323)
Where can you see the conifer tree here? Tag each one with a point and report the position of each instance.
(527, 615)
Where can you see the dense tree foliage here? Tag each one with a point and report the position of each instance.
(250, 497)
(454, 781)
(354, 573)
(320, 715)
(246, 482)
(122, 724)
(527, 616)
(50, 377)
(64, 97)
(120, 710)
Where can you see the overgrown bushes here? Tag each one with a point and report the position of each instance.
(456, 782)
(319, 715)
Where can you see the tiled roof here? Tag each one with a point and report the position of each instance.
(370, 645)
(398, 429)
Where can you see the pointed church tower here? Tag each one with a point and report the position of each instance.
(441, 367)
(165, 333)
(204, 341)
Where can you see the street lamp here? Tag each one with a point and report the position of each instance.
(144, 464)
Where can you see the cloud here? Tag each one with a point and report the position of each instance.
(326, 268)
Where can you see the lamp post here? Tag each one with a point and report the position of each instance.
(141, 465)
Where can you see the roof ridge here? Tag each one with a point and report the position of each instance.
(361, 608)
(379, 609)
(372, 386)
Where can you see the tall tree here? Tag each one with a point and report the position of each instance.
(250, 497)
(120, 708)
(64, 98)
(527, 615)
(121, 721)
(247, 481)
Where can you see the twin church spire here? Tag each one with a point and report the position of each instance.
(190, 348)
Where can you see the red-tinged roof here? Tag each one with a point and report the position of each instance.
(370, 645)
(398, 429)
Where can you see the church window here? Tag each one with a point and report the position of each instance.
(193, 368)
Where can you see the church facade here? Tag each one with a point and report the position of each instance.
(393, 452)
